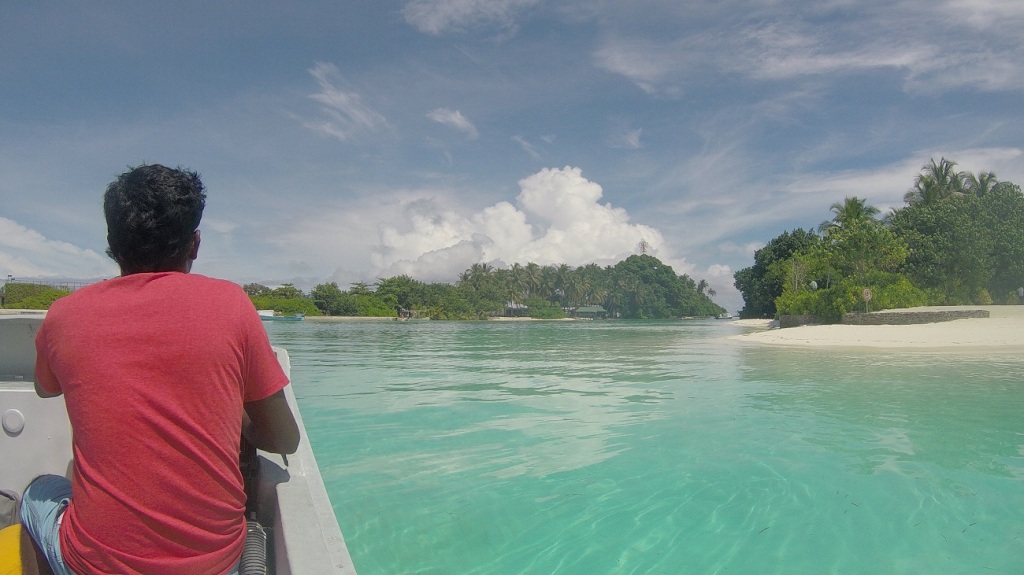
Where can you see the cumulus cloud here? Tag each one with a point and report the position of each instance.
(454, 119)
(344, 113)
(557, 218)
(26, 253)
(438, 16)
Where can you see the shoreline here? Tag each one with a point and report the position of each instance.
(1002, 331)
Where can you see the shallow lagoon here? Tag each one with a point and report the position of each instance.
(657, 447)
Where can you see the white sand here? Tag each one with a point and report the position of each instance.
(1003, 330)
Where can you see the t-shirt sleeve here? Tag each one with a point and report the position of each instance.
(45, 378)
(263, 373)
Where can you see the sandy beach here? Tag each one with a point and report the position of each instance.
(1002, 331)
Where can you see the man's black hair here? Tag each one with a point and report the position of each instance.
(152, 212)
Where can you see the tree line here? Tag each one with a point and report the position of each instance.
(639, 287)
(958, 240)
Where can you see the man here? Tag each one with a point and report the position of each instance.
(162, 371)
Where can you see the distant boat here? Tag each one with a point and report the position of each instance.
(271, 315)
(724, 316)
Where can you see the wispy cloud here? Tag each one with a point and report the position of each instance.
(439, 16)
(344, 112)
(955, 44)
(455, 119)
(527, 147)
(644, 63)
(629, 139)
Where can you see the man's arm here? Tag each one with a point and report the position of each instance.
(269, 424)
(44, 393)
(45, 381)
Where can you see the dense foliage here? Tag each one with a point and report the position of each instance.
(19, 295)
(640, 287)
(761, 284)
(959, 240)
(287, 299)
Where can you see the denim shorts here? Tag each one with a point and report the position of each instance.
(42, 508)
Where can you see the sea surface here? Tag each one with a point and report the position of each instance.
(619, 447)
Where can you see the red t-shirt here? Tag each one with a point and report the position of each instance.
(154, 369)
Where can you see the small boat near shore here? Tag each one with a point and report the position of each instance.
(271, 315)
(287, 494)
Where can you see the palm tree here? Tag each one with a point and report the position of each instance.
(519, 286)
(479, 274)
(561, 277)
(549, 283)
(937, 181)
(849, 211)
(979, 185)
(534, 277)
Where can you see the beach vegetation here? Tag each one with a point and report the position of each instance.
(639, 287)
(285, 299)
(950, 248)
(540, 308)
(761, 284)
(24, 295)
(958, 240)
(286, 306)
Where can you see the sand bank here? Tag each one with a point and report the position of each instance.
(1003, 330)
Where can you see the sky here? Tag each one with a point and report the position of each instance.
(351, 141)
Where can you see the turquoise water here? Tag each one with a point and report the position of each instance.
(631, 447)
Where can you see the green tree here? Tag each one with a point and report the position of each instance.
(331, 300)
(862, 246)
(949, 249)
(287, 291)
(980, 185)
(826, 278)
(254, 289)
(1002, 213)
(758, 286)
(849, 212)
(652, 290)
(404, 290)
(936, 182)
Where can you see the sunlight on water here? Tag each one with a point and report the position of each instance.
(619, 447)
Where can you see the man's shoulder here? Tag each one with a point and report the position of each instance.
(211, 283)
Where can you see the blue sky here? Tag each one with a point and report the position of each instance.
(346, 141)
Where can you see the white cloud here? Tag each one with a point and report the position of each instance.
(630, 139)
(344, 112)
(787, 51)
(527, 147)
(455, 119)
(927, 43)
(986, 14)
(437, 16)
(645, 63)
(558, 218)
(25, 253)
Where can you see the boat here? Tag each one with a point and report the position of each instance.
(288, 496)
(271, 315)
